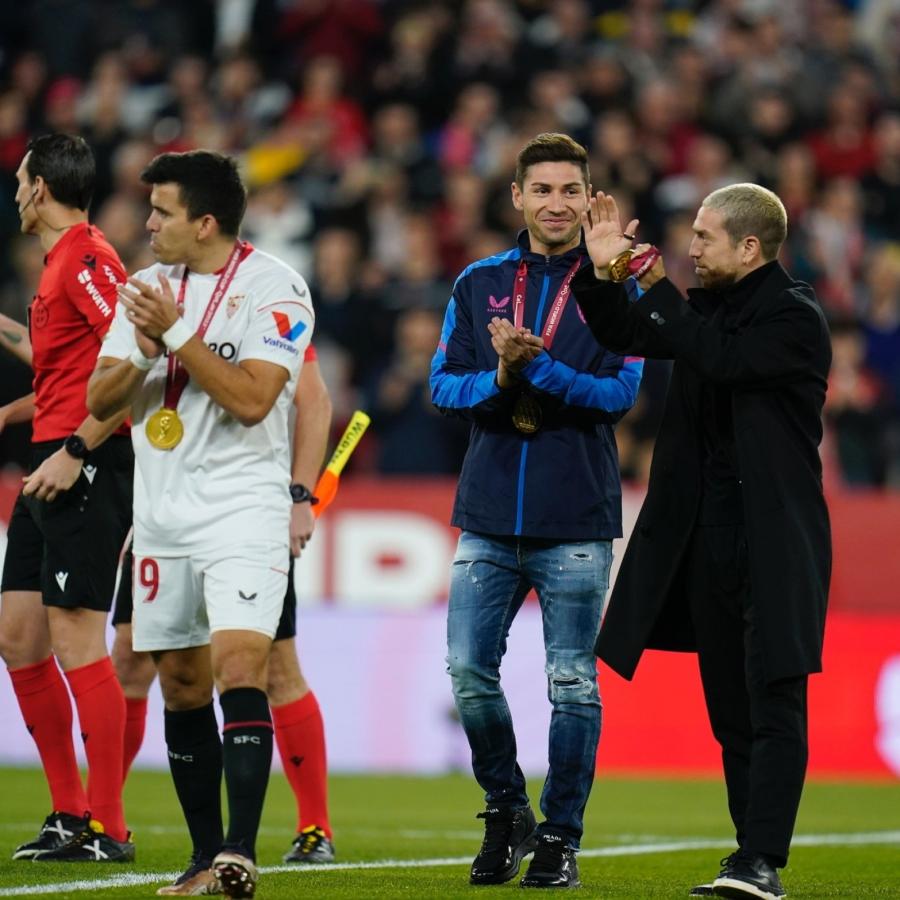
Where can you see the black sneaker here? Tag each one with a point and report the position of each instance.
(311, 847)
(553, 865)
(706, 890)
(197, 880)
(91, 844)
(58, 827)
(508, 838)
(746, 875)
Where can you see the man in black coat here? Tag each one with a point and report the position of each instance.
(731, 553)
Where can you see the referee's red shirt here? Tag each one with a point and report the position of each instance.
(67, 320)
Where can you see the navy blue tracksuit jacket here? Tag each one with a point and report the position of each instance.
(562, 482)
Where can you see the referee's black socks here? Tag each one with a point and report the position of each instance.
(247, 756)
(195, 760)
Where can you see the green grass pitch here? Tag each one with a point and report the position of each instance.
(414, 837)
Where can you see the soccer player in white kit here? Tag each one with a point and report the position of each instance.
(205, 349)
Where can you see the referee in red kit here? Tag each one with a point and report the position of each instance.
(71, 518)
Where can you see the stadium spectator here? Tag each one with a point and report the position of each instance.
(323, 108)
(554, 93)
(279, 220)
(485, 50)
(211, 549)
(397, 140)
(880, 322)
(731, 552)
(13, 133)
(845, 146)
(460, 215)
(413, 439)
(417, 283)
(347, 316)
(881, 185)
(708, 166)
(344, 29)
(880, 317)
(664, 130)
(515, 360)
(561, 33)
(771, 124)
(414, 68)
(835, 244)
(70, 519)
(853, 407)
(470, 137)
(795, 179)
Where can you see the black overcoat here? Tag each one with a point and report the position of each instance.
(775, 357)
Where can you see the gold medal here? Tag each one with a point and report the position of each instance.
(164, 429)
(618, 267)
(527, 414)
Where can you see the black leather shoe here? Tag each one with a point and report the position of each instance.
(748, 875)
(706, 890)
(508, 838)
(553, 865)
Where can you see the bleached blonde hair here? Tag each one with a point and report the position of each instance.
(750, 209)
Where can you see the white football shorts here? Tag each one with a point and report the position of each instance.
(180, 601)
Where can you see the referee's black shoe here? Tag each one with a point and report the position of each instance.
(58, 828)
(508, 838)
(553, 864)
(91, 844)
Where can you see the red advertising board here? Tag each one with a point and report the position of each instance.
(657, 722)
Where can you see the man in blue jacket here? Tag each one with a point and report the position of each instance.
(538, 502)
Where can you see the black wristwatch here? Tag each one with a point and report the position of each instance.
(300, 493)
(75, 446)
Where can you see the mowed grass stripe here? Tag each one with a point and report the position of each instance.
(138, 879)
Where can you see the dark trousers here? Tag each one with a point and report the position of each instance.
(760, 725)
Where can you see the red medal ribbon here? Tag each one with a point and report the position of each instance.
(176, 375)
(556, 310)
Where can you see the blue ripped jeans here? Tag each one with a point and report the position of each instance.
(490, 578)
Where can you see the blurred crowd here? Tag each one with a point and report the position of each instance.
(378, 140)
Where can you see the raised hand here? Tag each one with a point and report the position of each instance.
(603, 233)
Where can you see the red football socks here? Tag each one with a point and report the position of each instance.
(135, 723)
(47, 711)
(101, 715)
(300, 735)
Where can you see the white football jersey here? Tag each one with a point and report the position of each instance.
(223, 484)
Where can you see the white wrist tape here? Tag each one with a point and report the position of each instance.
(177, 336)
(139, 361)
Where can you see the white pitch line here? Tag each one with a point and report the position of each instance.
(269, 830)
(140, 878)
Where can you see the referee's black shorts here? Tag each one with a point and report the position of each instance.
(287, 624)
(68, 549)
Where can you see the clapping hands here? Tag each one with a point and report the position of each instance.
(516, 347)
